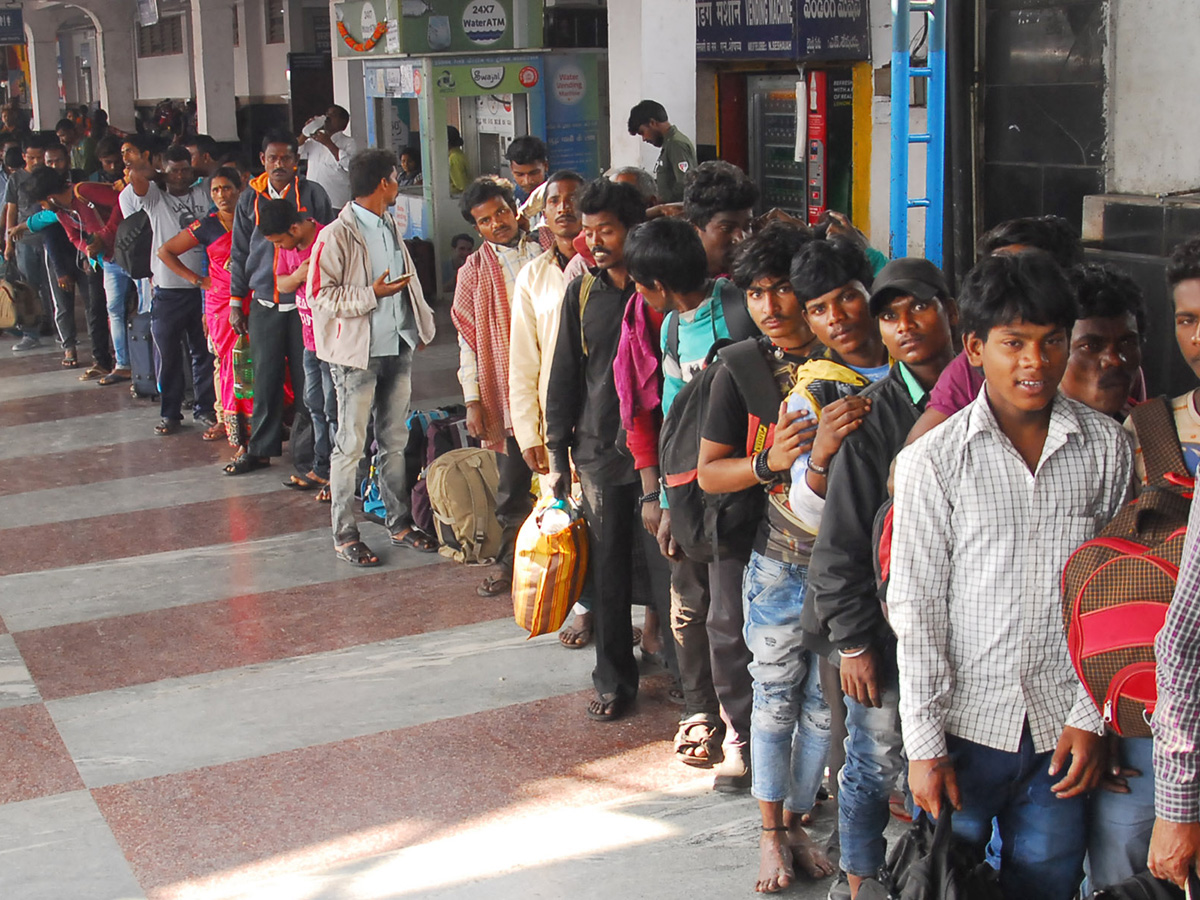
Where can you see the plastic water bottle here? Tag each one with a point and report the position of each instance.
(243, 369)
(554, 518)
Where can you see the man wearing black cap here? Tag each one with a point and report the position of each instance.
(842, 608)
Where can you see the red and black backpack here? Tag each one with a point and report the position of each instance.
(1117, 587)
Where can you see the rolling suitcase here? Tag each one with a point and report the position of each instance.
(142, 361)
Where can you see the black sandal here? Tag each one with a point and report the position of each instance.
(167, 426)
(606, 707)
(358, 554)
(246, 463)
(415, 539)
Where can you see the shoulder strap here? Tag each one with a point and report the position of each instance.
(1154, 422)
(673, 336)
(754, 379)
(737, 316)
(585, 293)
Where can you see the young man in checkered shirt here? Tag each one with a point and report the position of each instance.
(988, 508)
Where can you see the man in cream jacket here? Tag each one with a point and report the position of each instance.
(369, 317)
(536, 304)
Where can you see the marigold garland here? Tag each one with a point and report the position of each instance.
(365, 46)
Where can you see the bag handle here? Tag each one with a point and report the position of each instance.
(942, 832)
(1159, 501)
(1154, 422)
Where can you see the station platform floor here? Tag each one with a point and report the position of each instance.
(198, 701)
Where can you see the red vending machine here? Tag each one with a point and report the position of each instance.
(818, 145)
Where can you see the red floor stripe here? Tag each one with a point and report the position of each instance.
(34, 762)
(73, 404)
(207, 637)
(412, 785)
(60, 544)
(109, 462)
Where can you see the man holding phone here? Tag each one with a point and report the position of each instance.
(369, 316)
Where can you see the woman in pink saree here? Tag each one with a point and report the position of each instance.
(214, 233)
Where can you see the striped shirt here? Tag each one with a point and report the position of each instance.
(978, 547)
(1176, 720)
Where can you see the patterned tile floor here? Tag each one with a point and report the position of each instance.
(199, 702)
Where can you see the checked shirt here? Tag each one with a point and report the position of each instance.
(1176, 720)
(978, 548)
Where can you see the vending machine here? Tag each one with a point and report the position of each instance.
(816, 144)
(776, 165)
(801, 136)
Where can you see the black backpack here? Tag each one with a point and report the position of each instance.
(133, 243)
(706, 526)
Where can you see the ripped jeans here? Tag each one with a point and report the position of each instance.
(789, 725)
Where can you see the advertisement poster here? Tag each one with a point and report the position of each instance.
(511, 76)
(573, 113)
(12, 27)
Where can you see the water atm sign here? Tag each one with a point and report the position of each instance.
(484, 22)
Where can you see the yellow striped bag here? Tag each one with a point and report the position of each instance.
(548, 569)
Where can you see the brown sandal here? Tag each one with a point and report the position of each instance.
(214, 432)
(700, 733)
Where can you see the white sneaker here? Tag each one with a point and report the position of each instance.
(29, 342)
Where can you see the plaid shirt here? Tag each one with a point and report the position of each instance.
(978, 548)
(482, 315)
(1176, 720)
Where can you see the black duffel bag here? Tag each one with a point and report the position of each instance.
(930, 863)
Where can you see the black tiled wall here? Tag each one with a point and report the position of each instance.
(1043, 108)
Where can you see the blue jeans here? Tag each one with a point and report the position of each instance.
(874, 762)
(320, 397)
(116, 287)
(1119, 825)
(789, 724)
(1042, 837)
(383, 388)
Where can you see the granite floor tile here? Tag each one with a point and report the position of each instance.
(202, 720)
(74, 468)
(96, 427)
(67, 405)
(41, 384)
(337, 802)
(154, 581)
(33, 760)
(16, 684)
(178, 486)
(105, 654)
(59, 848)
(233, 520)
